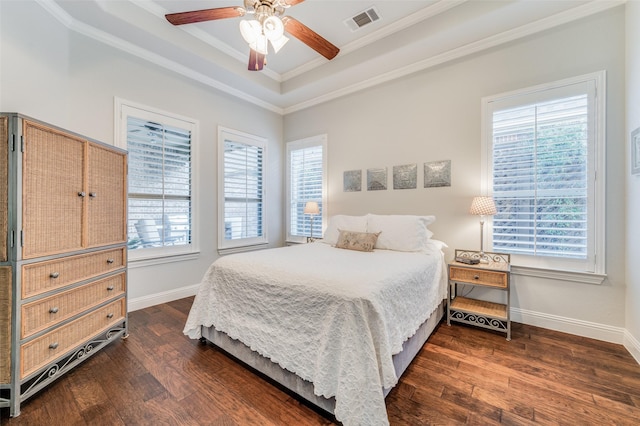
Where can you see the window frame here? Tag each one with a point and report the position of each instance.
(156, 255)
(593, 271)
(242, 244)
(318, 140)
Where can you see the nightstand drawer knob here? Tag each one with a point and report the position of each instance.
(109, 315)
(54, 274)
(110, 261)
(476, 277)
(54, 345)
(53, 310)
(110, 288)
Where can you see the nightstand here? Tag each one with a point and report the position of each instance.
(494, 275)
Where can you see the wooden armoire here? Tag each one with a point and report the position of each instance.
(63, 254)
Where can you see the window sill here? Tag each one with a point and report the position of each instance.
(573, 276)
(161, 259)
(231, 250)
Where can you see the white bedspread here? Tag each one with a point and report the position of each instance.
(334, 317)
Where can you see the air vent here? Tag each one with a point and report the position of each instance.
(362, 19)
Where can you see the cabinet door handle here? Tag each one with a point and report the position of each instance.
(110, 261)
(110, 315)
(54, 274)
(81, 194)
(53, 310)
(54, 345)
(476, 277)
(110, 288)
(93, 195)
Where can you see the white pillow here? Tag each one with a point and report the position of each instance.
(401, 232)
(347, 223)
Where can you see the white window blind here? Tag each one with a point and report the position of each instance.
(540, 178)
(243, 189)
(306, 171)
(544, 147)
(159, 201)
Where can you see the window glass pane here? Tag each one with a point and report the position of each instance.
(541, 179)
(243, 190)
(306, 184)
(159, 203)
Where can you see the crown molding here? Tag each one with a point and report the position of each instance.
(580, 12)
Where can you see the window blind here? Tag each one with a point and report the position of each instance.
(306, 179)
(540, 178)
(159, 184)
(243, 190)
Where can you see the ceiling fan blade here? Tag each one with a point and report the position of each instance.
(256, 60)
(205, 15)
(293, 2)
(309, 37)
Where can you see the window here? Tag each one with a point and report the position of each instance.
(306, 181)
(160, 202)
(543, 148)
(242, 213)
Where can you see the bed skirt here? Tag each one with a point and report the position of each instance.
(304, 388)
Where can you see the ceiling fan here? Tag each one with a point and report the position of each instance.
(268, 27)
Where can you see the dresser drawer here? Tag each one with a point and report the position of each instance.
(476, 276)
(40, 277)
(51, 310)
(46, 348)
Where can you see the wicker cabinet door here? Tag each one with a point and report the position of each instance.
(4, 186)
(52, 191)
(106, 190)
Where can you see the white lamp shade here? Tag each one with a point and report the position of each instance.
(278, 43)
(311, 208)
(273, 28)
(250, 30)
(483, 206)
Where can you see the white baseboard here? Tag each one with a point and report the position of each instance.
(164, 297)
(589, 329)
(632, 345)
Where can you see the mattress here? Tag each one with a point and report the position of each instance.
(331, 316)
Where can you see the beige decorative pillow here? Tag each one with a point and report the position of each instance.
(361, 241)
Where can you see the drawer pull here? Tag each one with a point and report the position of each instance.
(54, 345)
(476, 277)
(53, 310)
(110, 261)
(110, 315)
(54, 274)
(81, 194)
(93, 195)
(110, 288)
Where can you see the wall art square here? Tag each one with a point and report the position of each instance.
(352, 181)
(405, 177)
(437, 173)
(376, 179)
(635, 151)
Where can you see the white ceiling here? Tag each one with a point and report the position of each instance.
(410, 36)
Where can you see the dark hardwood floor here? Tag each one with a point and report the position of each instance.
(463, 375)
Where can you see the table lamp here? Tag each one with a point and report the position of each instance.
(482, 206)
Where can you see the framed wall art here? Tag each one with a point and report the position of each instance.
(437, 173)
(405, 176)
(352, 181)
(377, 179)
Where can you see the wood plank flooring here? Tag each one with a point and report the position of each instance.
(463, 375)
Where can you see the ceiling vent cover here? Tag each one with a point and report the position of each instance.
(363, 18)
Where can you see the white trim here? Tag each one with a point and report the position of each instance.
(573, 276)
(146, 257)
(162, 297)
(632, 345)
(224, 246)
(162, 259)
(588, 329)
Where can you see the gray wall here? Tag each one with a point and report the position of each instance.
(435, 115)
(632, 338)
(66, 79)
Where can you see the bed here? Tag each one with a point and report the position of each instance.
(336, 326)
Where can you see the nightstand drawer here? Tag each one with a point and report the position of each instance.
(473, 276)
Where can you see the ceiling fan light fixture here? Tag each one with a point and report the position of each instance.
(278, 43)
(273, 28)
(250, 30)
